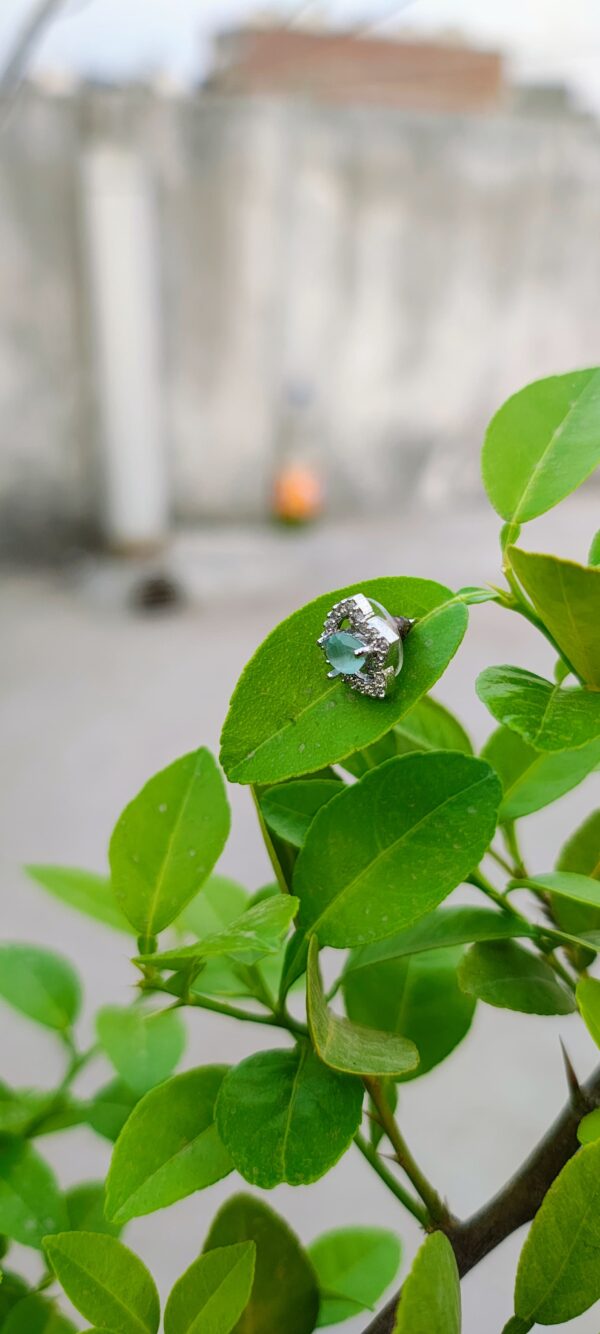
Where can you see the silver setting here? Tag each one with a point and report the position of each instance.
(381, 637)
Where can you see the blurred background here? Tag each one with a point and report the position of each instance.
(265, 275)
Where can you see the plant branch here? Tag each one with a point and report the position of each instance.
(436, 1209)
(519, 1200)
(417, 1210)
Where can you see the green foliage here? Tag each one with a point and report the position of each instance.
(289, 808)
(391, 847)
(417, 995)
(558, 1275)
(504, 974)
(31, 1205)
(363, 854)
(167, 841)
(566, 596)
(168, 1147)
(352, 1048)
(36, 1315)
(427, 726)
(354, 1266)
(85, 1209)
(441, 929)
(430, 1301)
(542, 443)
(284, 1116)
(212, 1294)
(533, 778)
(290, 1304)
(258, 932)
(143, 1046)
(85, 891)
(284, 722)
(550, 717)
(40, 984)
(105, 1281)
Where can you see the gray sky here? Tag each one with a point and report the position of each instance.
(543, 38)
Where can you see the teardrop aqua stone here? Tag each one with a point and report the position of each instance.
(339, 651)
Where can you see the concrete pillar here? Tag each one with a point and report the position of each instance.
(120, 257)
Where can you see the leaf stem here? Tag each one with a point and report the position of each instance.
(534, 932)
(437, 1210)
(389, 1180)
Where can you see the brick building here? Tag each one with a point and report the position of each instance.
(343, 67)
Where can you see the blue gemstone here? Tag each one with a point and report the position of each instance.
(339, 651)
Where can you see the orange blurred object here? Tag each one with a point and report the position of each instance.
(297, 494)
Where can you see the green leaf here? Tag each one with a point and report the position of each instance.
(21, 1108)
(588, 1000)
(532, 778)
(566, 885)
(517, 1326)
(393, 845)
(219, 902)
(427, 726)
(105, 1281)
(143, 1047)
(550, 717)
(85, 891)
(353, 1049)
(418, 996)
(109, 1109)
(558, 1275)
(12, 1290)
(289, 1305)
(354, 1266)
(438, 930)
(40, 984)
(284, 1116)
(594, 553)
(30, 1202)
(542, 444)
(85, 1209)
(36, 1315)
(169, 1147)
(588, 1130)
(286, 718)
(566, 596)
(581, 854)
(212, 1294)
(167, 841)
(430, 1300)
(289, 808)
(258, 932)
(503, 974)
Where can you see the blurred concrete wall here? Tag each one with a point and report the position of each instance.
(409, 271)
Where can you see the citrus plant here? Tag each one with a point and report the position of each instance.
(373, 812)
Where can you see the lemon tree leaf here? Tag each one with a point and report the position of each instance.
(143, 1047)
(258, 932)
(430, 1299)
(558, 1275)
(167, 840)
(542, 444)
(503, 974)
(85, 891)
(286, 718)
(168, 1147)
(567, 598)
(210, 1297)
(393, 845)
(41, 984)
(105, 1281)
(532, 779)
(549, 716)
(285, 1116)
(31, 1204)
(291, 1305)
(354, 1266)
(352, 1048)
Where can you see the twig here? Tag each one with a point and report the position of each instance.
(519, 1200)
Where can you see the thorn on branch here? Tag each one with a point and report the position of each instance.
(576, 1093)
